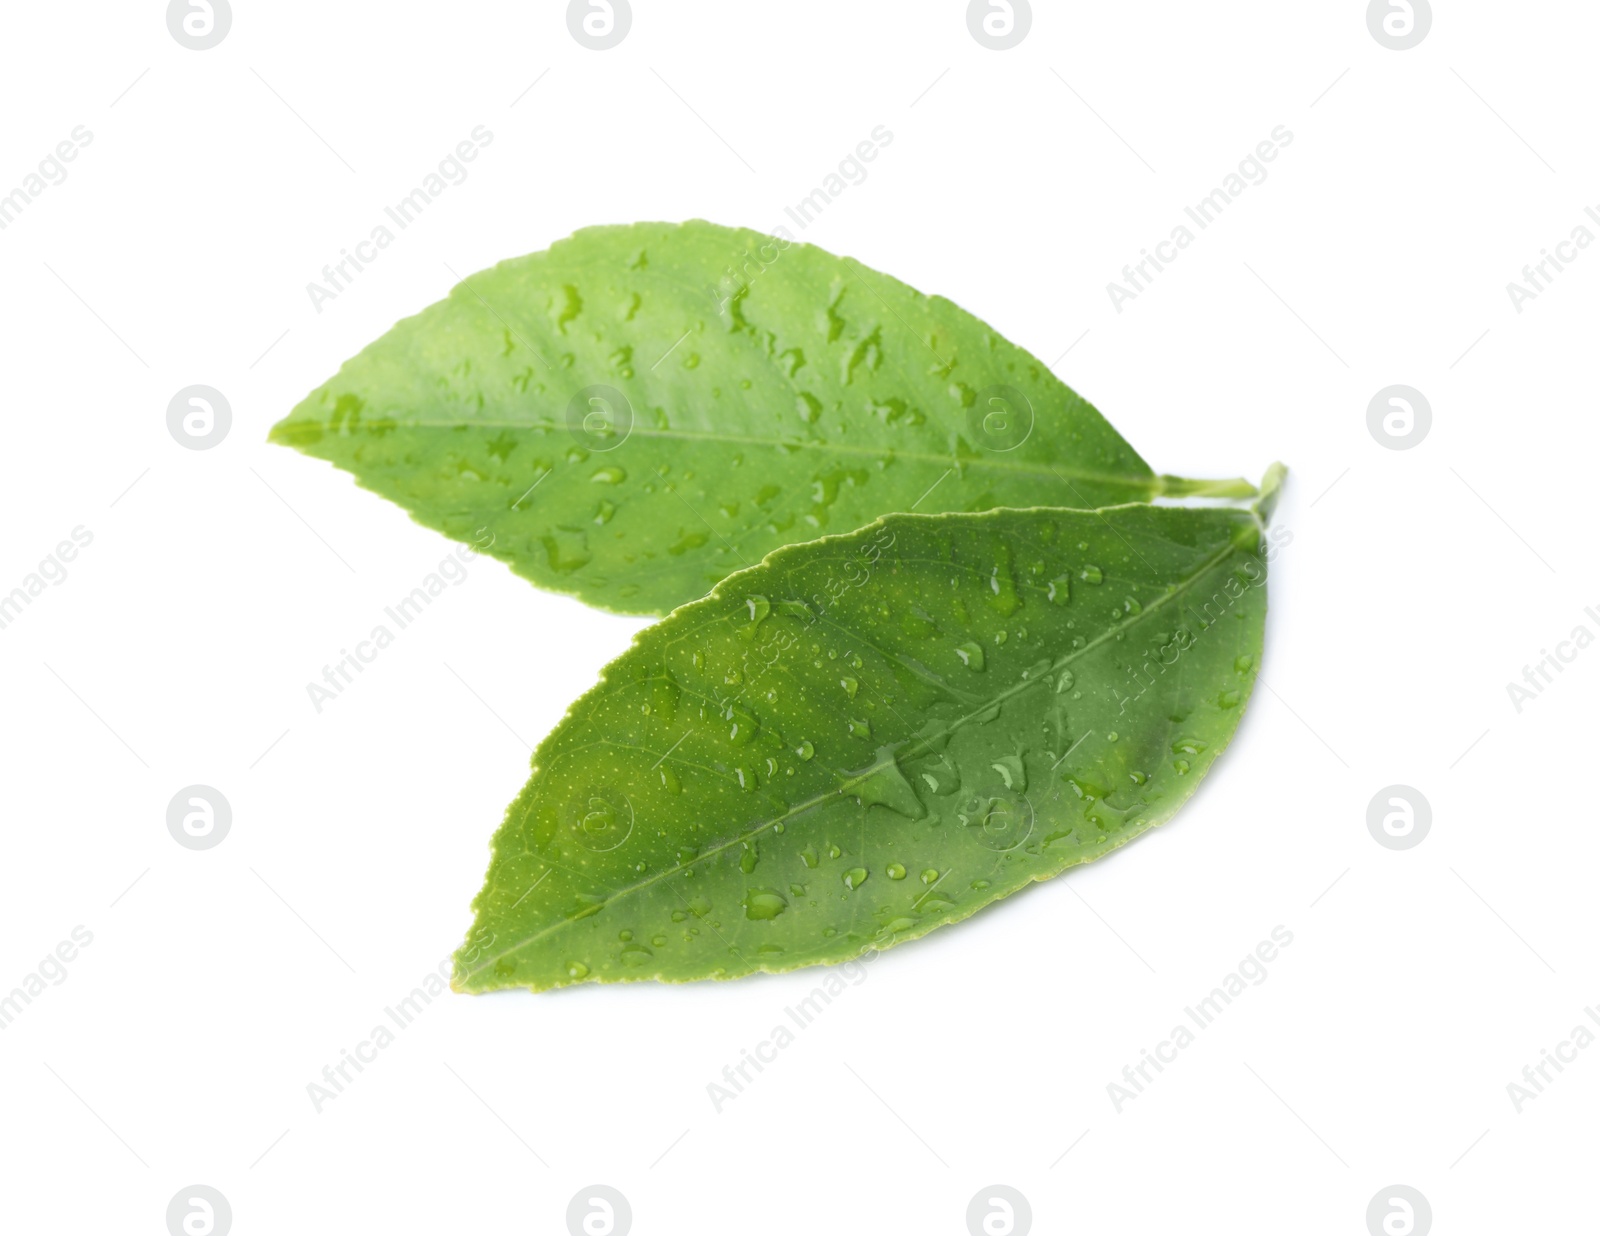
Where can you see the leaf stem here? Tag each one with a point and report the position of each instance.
(1184, 487)
(1271, 489)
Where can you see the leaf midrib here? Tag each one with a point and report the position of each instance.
(1146, 483)
(916, 747)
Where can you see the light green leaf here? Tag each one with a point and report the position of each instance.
(639, 411)
(868, 736)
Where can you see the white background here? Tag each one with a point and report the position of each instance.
(177, 651)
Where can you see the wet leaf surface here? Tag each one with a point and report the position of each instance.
(870, 736)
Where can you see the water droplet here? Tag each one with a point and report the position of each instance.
(1003, 597)
(566, 550)
(636, 955)
(577, 970)
(742, 726)
(759, 608)
(882, 784)
(971, 655)
(750, 857)
(746, 778)
(808, 856)
(1228, 699)
(1188, 746)
(850, 685)
(611, 474)
(1085, 789)
(855, 878)
(1182, 766)
(1059, 590)
(860, 729)
(930, 875)
(670, 782)
(695, 538)
(1244, 663)
(805, 750)
(1011, 772)
(763, 903)
(1065, 682)
(664, 696)
(896, 871)
(1091, 575)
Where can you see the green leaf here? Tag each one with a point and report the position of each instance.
(868, 736)
(639, 411)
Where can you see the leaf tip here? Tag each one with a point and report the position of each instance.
(296, 433)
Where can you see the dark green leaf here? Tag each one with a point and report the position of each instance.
(871, 735)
